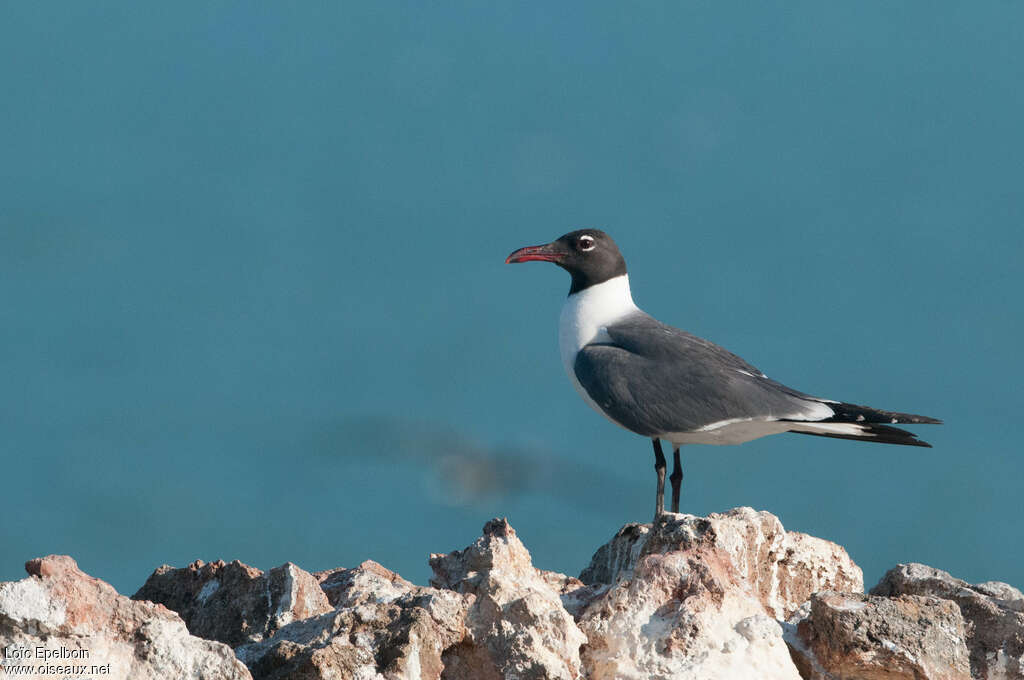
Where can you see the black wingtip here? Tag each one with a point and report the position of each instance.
(875, 434)
(852, 413)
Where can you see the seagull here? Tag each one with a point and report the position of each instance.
(666, 384)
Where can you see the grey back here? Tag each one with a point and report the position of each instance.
(655, 379)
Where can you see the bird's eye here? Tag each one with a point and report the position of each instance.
(585, 243)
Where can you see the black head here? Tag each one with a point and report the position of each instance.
(589, 255)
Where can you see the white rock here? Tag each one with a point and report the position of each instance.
(91, 631)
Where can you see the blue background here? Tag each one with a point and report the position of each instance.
(255, 306)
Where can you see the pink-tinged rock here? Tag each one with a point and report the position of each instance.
(369, 582)
(233, 602)
(681, 602)
(83, 622)
(993, 613)
(404, 638)
(781, 567)
(492, 615)
(517, 626)
(852, 635)
(382, 626)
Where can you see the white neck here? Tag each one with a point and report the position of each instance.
(586, 313)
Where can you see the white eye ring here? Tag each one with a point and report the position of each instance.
(586, 243)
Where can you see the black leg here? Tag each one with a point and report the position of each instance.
(659, 467)
(676, 479)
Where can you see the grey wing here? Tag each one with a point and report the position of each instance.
(655, 379)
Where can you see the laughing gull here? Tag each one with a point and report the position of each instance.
(664, 383)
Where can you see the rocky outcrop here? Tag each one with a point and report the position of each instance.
(516, 624)
(490, 614)
(782, 568)
(731, 595)
(369, 582)
(406, 638)
(993, 613)
(851, 635)
(699, 596)
(235, 603)
(60, 622)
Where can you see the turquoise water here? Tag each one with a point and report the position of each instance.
(254, 305)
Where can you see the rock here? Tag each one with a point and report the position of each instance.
(617, 557)
(782, 567)
(993, 613)
(685, 598)
(517, 625)
(852, 635)
(404, 639)
(82, 621)
(1003, 593)
(490, 615)
(369, 582)
(233, 602)
(382, 627)
(692, 597)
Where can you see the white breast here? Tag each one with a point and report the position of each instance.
(584, 317)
